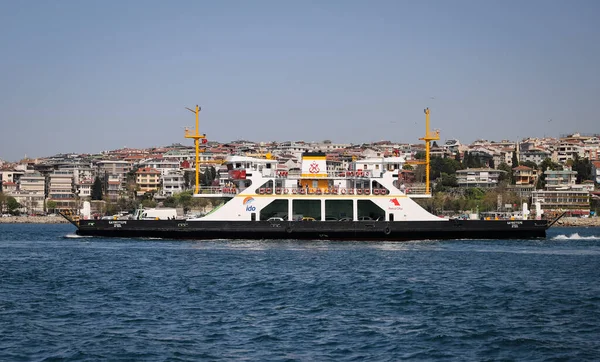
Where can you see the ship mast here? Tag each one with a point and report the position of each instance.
(429, 136)
(197, 137)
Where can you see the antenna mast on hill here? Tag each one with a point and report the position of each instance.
(197, 137)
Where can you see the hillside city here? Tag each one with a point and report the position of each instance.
(562, 174)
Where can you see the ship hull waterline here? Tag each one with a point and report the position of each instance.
(316, 230)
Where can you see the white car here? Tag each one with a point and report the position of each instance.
(274, 218)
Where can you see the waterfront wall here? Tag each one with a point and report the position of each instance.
(579, 221)
(33, 220)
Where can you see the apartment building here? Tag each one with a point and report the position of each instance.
(574, 202)
(113, 187)
(568, 150)
(147, 180)
(596, 171)
(162, 165)
(534, 155)
(33, 182)
(560, 179)
(563, 194)
(114, 168)
(60, 189)
(172, 182)
(84, 188)
(478, 177)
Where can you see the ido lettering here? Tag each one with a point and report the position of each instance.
(250, 208)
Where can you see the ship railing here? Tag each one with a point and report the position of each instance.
(322, 191)
(415, 190)
(343, 174)
(218, 190)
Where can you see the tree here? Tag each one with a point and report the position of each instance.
(147, 203)
(3, 198)
(97, 189)
(515, 160)
(457, 156)
(446, 181)
(12, 205)
(202, 203)
(583, 167)
(170, 202)
(440, 165)
(51, 205)
(185, 201)
(508, 176)
(189, 179)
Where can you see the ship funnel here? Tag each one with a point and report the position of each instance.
(314, 164)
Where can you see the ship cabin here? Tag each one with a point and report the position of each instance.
(367, 189)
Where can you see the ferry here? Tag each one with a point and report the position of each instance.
(356, 200)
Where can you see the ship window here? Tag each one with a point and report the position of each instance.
(391, 217)
(367, 208)
(339, 209)
(253, 216)
(277, 208)
(306, 208)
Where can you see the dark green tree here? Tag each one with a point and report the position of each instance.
(184, 199)
(97, 189)
(446, 182)
(170, 202)
(515, 160)
(420, 155)
(12, 205)
(583, 167)
(51, 205)
(508, 176)
(440, 165)
(3, 198)
(457, 156)
(148, 203)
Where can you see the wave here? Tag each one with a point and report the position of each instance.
(75, 236)
(575, 236)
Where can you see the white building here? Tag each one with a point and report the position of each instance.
(478, 177)
(172, 182)
(163, 165)
(534, 155)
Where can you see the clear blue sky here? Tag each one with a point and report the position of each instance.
(87, 76)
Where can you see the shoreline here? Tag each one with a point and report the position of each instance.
(33, 220)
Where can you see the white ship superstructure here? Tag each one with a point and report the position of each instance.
(369, 190)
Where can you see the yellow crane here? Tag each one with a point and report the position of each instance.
(429, 136)
(197, 137)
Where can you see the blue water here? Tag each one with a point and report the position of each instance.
(64, 298)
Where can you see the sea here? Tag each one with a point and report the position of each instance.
(69, 298)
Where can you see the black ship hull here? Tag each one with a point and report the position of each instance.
(315, 230)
